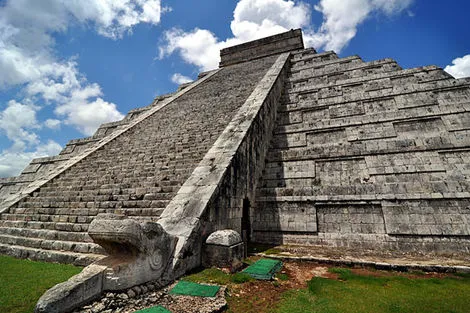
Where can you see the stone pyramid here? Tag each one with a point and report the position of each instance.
(282, 144)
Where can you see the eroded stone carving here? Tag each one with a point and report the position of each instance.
(138, 253)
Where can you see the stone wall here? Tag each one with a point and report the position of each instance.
(367, 154)
(212, 198)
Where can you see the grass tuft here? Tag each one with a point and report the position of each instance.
(282, 276)
(22, 282)
(240, 278)
(367, 294)
(216, 276)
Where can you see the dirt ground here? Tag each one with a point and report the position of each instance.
(260, 296)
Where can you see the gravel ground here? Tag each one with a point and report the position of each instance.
(145, 296)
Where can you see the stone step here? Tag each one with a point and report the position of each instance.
(316, 76)
(78, 259)
(309, 56)
(412, 183)
(132, 212)
(118, 199)
(444, 84)
(374, 83)
(46, 244)
(423, 75)
(47, 218)
(329, 62)
(176, 176)
(380, 113)
(84, 215)
(46, 234)
(383, 136)
(70, 227)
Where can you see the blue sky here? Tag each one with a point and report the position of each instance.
(68, 66)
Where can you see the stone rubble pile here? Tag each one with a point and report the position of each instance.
(150, 294)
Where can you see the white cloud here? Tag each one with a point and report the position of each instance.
(111, 18)
(86, 111)
(254, 19)
(28, 62)
(13, 162)
(17, 122)
(178, 78)
(52, 123)
(341, 19)
(198, 47)
(460, 67)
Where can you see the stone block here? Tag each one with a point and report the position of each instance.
(224, 249)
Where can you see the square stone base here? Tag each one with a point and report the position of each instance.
(223, 257)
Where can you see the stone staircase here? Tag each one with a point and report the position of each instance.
(366, 154)
(136, 173)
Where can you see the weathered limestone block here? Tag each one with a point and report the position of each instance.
(225, 249)
(78, 290)
(138, 253)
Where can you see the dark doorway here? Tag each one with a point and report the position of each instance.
(246, 225)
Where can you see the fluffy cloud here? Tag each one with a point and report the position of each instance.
(28, 62)
(17, 122)
(199, 47)
(178, 78)
(12, 162)
(111, 18)
(87, 111)
(460, 67)
(341, 19)
(254, 19)
(52, 123)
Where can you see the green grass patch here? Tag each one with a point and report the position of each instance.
(343, 273)
(216, 276)
(22, 282)
(209, 275)
(240, 278)
(282, 276)
(391, 294)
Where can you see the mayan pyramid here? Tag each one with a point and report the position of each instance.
(281, 143)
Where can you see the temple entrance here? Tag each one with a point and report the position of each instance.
(246, 225)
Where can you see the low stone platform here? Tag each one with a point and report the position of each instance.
(383, 260)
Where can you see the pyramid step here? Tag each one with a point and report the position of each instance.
(307, 53)
(91, 202)
(48, 218)
(45, 244)
(133, 212)
(299, 60)
(70, 227)
(46, 234)
(78, 259)
(328, 66)
(85, 215)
